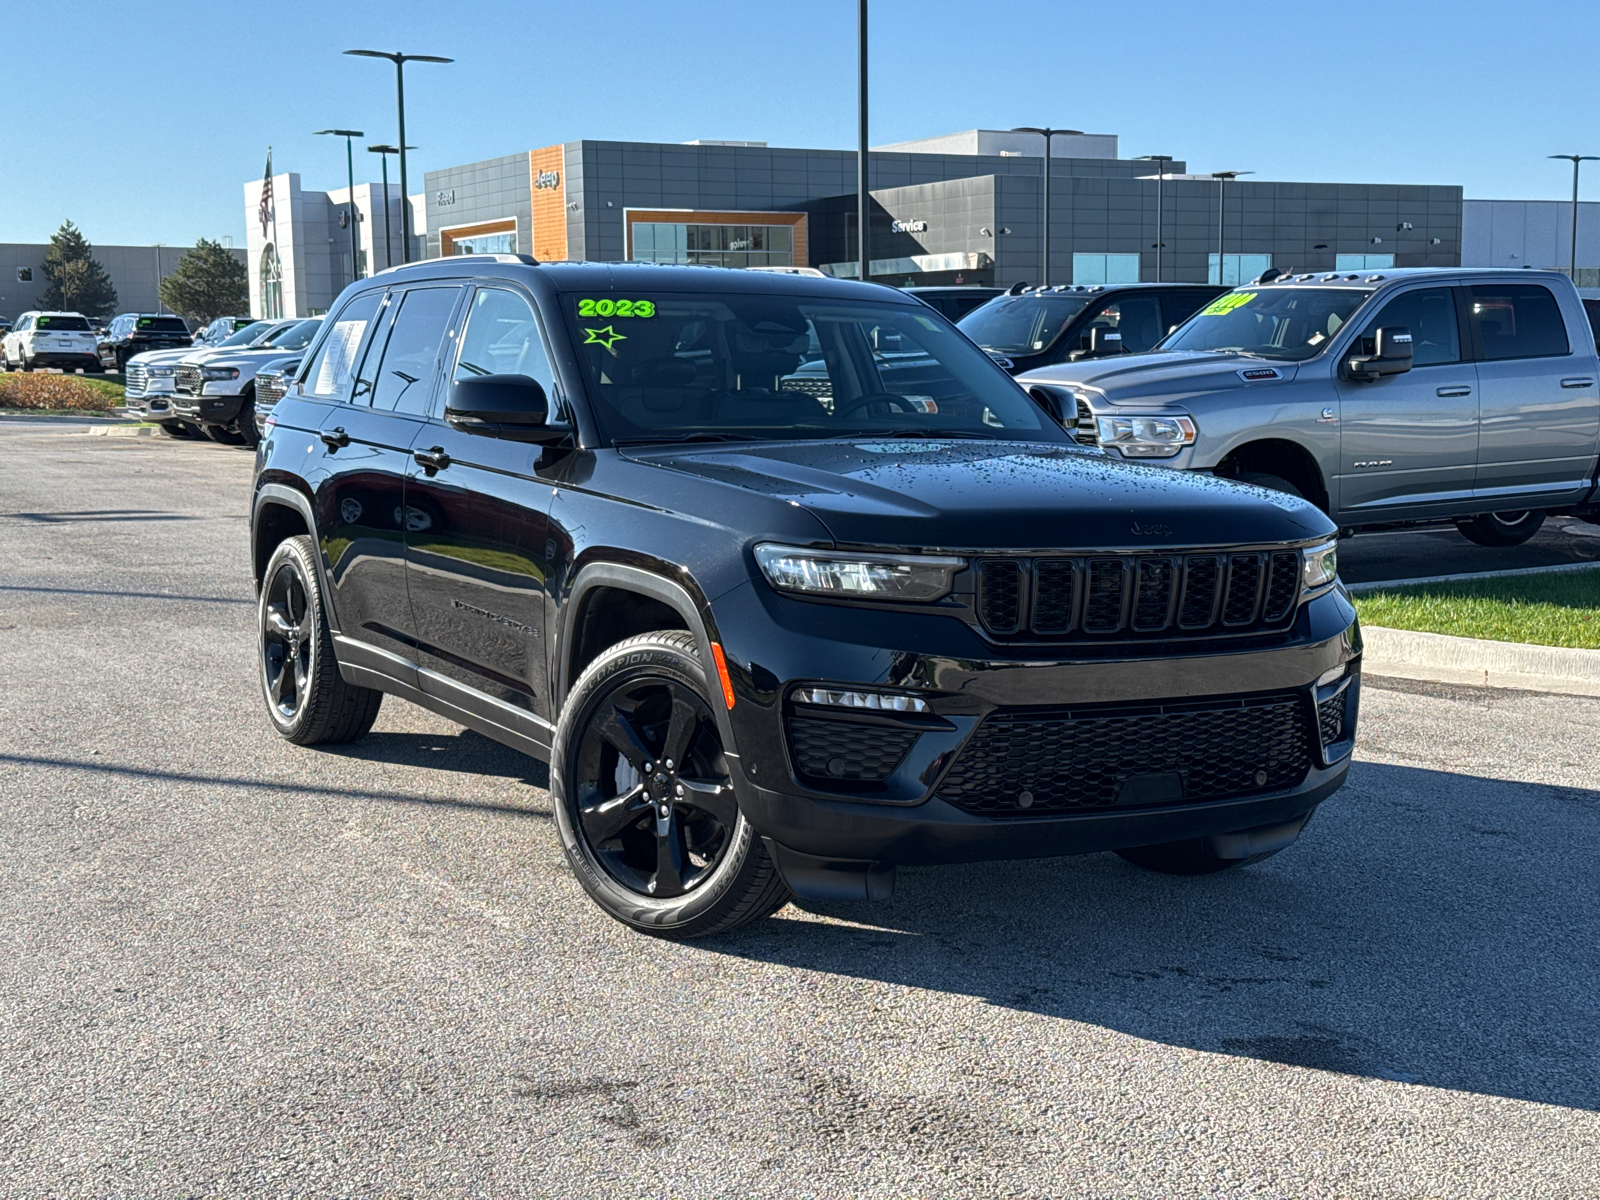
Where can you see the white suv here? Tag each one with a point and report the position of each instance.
(51, 339)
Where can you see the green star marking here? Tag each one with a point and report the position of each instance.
(607, 337)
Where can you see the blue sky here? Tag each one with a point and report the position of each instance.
(144, 130)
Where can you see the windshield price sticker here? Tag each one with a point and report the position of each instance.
(617, 308)
(1226, 303)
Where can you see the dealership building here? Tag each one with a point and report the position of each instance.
(960, 208)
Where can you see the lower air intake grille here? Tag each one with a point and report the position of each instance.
(1038, 763)
(1330, 719)
(825, 749)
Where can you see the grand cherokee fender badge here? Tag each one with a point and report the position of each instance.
(495, 617)
(1258, 374)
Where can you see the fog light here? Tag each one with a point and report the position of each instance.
(869, 701)
(1332, 675)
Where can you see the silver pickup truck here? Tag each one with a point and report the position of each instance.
(1383, 397)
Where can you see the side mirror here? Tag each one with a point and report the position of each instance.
(504, 406)
(1391, 355)
(1058, 402)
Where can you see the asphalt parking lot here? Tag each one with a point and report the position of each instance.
(234, 967)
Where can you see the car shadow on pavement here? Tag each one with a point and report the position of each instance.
(463, 750)
(1429, 928)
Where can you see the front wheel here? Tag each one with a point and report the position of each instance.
(644, 797)
(1502, 528)
(223, 437)
(308, 701)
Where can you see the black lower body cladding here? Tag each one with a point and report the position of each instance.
(1026, 757)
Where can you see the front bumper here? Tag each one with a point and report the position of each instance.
(64, 358)
(208, 409)
(916, 814)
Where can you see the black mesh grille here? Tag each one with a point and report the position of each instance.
(1244, 589)
(1330, 719)
(1031, 764)
(1141, 596)
(1000, 594)
(827, 749)
(1283, 585)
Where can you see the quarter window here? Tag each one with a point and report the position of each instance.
(1516, 320)
(331, 372)
(1430, 315)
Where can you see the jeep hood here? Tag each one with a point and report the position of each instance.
(1164, 378)
(961, 494)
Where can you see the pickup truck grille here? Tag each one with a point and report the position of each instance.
(137, 379)
(270, 388)
(188, 381)
(1090, 597)
(1043, 763)
(1086, 432)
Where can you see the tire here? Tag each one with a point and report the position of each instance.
(308, 702)
(223, 437)
(175, 429)
(250, 435)
(1273, 483)
(701, 869)
(1192, 857)
(1501, 529)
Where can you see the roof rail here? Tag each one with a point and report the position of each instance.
(526, 259)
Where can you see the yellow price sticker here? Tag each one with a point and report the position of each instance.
(1226, 303)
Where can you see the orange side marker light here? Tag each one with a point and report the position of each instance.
(722, 673)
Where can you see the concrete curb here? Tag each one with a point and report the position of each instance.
(1439, 658)
(121, 430)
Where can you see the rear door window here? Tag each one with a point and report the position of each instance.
(331, 371)
(1430, 315)
(1516, 320)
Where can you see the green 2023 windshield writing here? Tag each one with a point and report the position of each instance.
(616, 308)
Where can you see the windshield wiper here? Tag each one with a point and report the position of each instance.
(699, 436)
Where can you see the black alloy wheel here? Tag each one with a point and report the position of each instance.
(308, 701)
(645, 804)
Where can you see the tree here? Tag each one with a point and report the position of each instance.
(77, 283)
(209, 282)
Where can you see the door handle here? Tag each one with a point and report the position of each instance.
(335, 438)
(432, 460)
(1453, 391)
(1577, 381)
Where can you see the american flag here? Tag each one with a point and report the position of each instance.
(265, 212)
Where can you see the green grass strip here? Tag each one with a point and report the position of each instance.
(1561, 609)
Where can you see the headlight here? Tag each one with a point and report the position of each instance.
(1146, 437)
(857, 576)
(162, 372)
(220, 373)
(1321, 567)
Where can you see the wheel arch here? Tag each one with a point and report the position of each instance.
(283, 512)
(1283, 457)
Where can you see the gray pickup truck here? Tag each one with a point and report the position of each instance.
(1383, 397)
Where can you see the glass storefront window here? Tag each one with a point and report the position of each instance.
(1363, 262)
(1105, 268)
(1237, 268)
(719, 245)
(486, 243)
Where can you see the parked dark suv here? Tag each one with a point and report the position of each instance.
(135, 333)
(1036, 327)
(774, 640)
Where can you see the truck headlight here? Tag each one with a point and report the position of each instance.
(1321, 567)
(1146, 437)
(210, 373)
(161, 372)
(846, 574)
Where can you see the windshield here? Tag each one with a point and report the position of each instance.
(1021, 324)
(296, 337)
(248, 334)
(161, 325)
(1282, 323)
(62, 324)
(666, 366)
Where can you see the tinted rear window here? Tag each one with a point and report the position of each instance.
(1516, 320)
(161, 325)
(62, 324)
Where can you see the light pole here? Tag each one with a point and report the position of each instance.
(1161, 161)
(1575, 159)
(1222, 178)
(1048, 134)
(400, 61)
(160, 307)
(862, 201)
(388, 242)
(350, 211)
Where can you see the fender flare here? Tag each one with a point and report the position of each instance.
(634, 579)
(288, 497)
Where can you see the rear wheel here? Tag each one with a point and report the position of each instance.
(1502, 528)
(644, 796)
(308, 701)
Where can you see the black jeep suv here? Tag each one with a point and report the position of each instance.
(778, 640)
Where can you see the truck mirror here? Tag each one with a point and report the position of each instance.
(1391, 355)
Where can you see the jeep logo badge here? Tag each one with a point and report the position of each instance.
(1150, 529)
